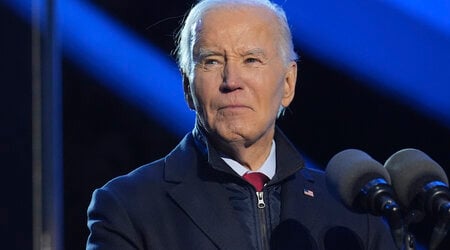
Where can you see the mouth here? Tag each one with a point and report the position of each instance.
(234, 107)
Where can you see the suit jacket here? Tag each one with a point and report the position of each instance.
(179, 202)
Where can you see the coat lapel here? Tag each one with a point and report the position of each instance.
(299, 194)
(209, 210)
(300, 212)
(204, 200)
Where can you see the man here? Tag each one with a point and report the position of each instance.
(239, 70)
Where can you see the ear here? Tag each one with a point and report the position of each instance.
(289, 84)
(187, 91)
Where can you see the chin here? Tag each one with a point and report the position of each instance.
(244, 134)
(237, 130)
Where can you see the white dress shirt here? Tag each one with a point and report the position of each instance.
(268, 168)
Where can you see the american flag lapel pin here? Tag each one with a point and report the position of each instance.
(308, 192)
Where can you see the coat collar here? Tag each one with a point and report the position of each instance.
(288, 159)
(198, 172)
(200, 194)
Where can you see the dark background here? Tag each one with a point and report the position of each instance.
(106, 136)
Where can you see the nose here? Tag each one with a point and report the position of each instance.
(232, 77)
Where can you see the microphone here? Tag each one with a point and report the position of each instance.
(363, 185)
(422, 184)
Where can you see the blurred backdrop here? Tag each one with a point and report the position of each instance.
(90, 90)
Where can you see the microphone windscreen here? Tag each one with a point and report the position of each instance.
(349, 171)
(410, 169)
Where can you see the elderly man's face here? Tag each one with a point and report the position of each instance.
(240, 79)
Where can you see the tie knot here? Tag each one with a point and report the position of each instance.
(256, 179)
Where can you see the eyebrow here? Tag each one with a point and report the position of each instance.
(203, 53)
(256, 52)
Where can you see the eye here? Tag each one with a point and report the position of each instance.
(252, 60)
(210, 62)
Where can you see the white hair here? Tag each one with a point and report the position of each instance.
(187, 33)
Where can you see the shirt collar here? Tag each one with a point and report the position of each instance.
(268, 168)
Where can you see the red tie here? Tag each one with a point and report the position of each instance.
(256, 179)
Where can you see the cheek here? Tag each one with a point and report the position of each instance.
(270, 89)
(203, 89)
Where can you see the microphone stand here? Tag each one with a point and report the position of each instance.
(382, 203)
(442, 226)
(402, 238)
(409, 242)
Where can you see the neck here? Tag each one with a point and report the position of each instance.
(249, 154)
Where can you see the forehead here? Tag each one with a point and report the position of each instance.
(241, 24)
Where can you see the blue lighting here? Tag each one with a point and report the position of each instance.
(21, 7)
(121, 61)
(400, 46)
(435, 13)
(399, 53)
(126, 64)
